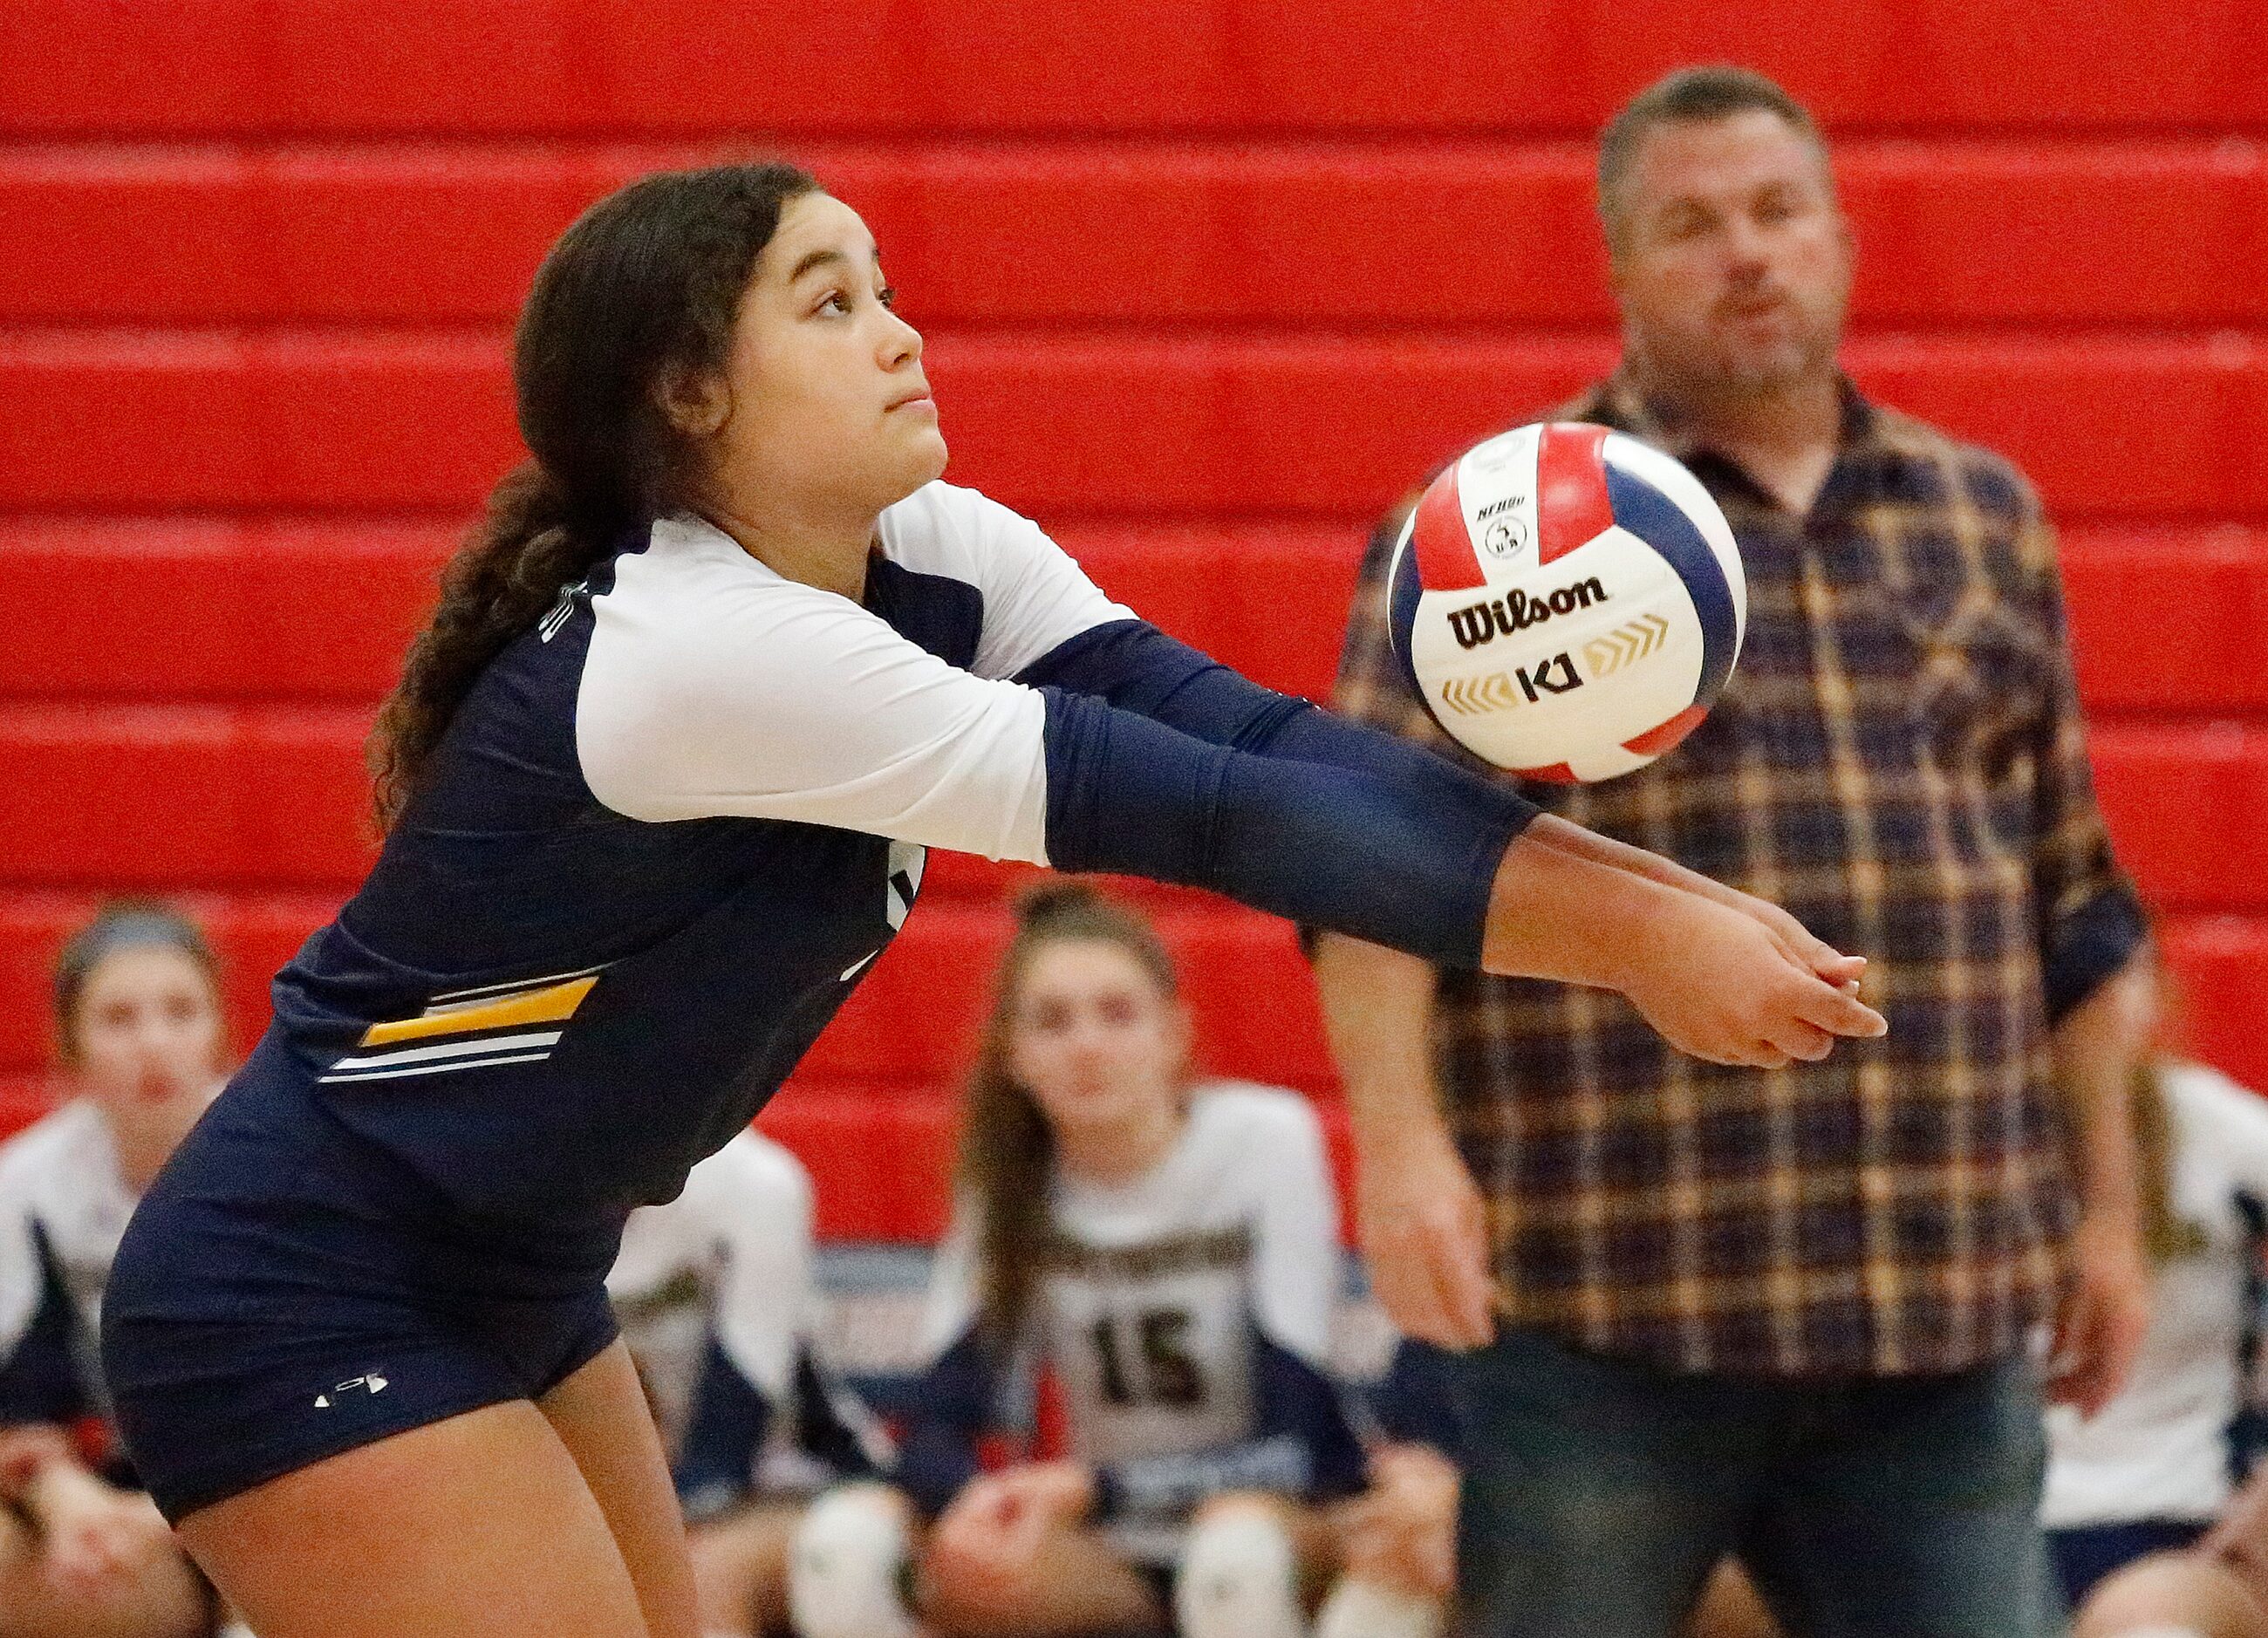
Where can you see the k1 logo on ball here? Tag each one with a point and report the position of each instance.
(1501, 691)
(1632, 567)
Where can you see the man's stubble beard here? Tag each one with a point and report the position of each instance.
(1704, 376)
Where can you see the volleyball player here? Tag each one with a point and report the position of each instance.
(83, 1553)
(714, 1295)
(717, 668)
(1167, 1253)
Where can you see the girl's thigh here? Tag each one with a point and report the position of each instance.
(602, 1416)
(479, 1527)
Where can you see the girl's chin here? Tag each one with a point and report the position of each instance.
(1101, 1111)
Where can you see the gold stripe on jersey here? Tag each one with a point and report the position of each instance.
(548, 1005)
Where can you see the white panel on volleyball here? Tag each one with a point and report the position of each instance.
(1563, 662)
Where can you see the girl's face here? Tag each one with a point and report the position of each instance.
(1094, 1038)
(147, 1028)
(823, 410)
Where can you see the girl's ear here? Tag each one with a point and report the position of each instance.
(695, 401)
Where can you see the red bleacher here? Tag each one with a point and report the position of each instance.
(1240, 425)
(1206, 283)
(255, 70)
(1308, 232)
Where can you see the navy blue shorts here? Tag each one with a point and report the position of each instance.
(2086, 1553)
(287, 1290)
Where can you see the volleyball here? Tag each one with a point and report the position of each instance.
(1567, 601)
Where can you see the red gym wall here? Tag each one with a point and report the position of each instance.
(1205, 286)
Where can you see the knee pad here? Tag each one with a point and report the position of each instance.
(1364, 1609)
(1238, 1578)
(848, 1567)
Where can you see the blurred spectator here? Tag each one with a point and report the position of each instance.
(2217, 1588)
(1166, 1256)
(83, 1552)
(714, 1292)
(2152, 1472)
(1787, 1314)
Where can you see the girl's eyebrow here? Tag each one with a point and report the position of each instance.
(823, 258)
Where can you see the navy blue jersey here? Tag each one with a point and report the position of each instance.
(672, 825)
(676, 821)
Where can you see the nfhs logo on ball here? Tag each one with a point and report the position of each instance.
(1505, 533)
(1567, 601)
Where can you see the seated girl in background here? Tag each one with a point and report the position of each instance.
(1169, 1253)
(714, 1295)
(83, 1552)
(2138, 1497)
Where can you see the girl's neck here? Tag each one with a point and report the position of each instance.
(1123, 1152)
(826, 552)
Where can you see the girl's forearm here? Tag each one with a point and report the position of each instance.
(1562, 837)
(1558, 912)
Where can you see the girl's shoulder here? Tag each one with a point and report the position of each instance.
(1239, 1113)
(943, 527)
(2204, 1098)
(65, 1151)
(689, 563)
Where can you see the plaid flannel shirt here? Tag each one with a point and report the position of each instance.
(1898, 759)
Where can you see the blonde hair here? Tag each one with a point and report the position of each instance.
(2167, 1236)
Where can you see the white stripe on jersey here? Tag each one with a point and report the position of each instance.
(454, 1049)
(450, 1068)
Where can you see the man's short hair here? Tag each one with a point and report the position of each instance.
(1689, 97)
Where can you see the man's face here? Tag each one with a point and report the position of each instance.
(1732, 262)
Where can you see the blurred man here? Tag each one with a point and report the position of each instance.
(1787, 1315)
